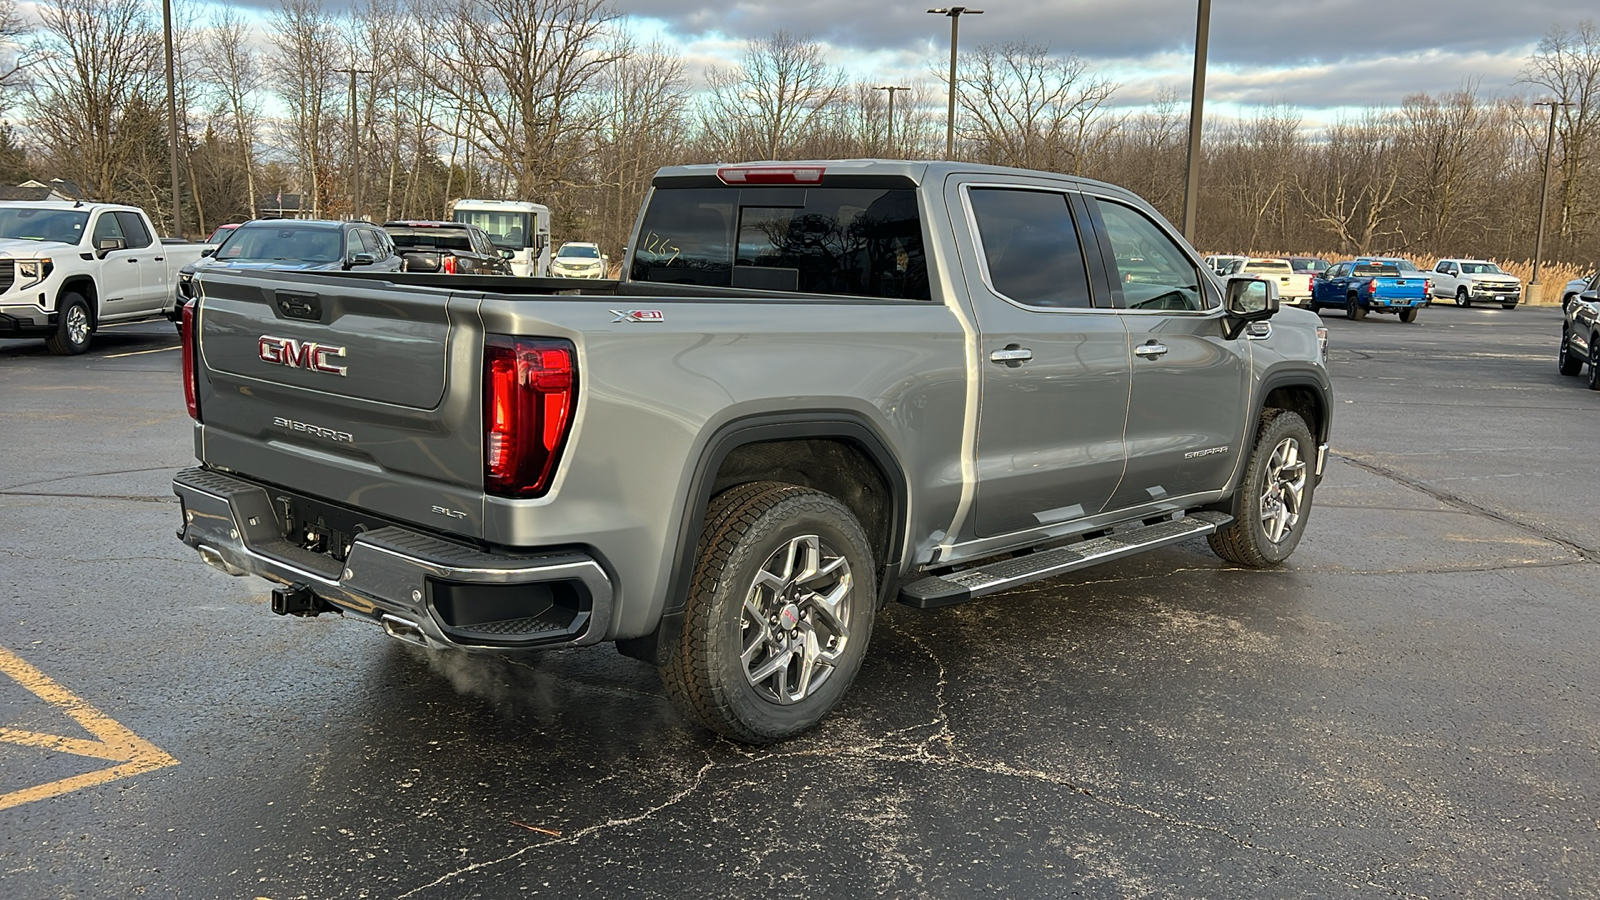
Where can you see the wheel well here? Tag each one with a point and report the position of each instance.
(1302, 400)
(84, 287)
(834, 466)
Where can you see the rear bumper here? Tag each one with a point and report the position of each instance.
(454, 595)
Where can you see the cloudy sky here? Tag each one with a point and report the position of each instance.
(1315, 55)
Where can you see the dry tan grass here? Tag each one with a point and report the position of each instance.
(1554, 275)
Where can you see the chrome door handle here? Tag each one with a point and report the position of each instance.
(1150, 350)
(1011, 355)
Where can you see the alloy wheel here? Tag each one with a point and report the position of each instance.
(796, 620)
(1284, 490)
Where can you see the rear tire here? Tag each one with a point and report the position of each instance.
(1408, 315)
(1508, 306)
(1567, 362)
(1272, 506)
(1353, 309)
(778, 616)
(73, 326)
(1594, 364)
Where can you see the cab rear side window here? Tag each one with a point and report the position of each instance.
(1031, 247)
(862, 242)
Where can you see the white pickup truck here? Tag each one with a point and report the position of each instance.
(67, 269)
(1468, 280)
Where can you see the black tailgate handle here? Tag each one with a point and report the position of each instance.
(299, 306)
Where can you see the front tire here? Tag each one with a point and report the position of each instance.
(73, 326)
(778, 616)
(1594, 364)
(1567, 362)
(1273, 504)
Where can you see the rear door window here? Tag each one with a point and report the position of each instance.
(133, 229)
(1031, 249)
(864, 242)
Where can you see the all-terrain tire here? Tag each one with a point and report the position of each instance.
(1408, 315)
(755, 622)
(1272, 506)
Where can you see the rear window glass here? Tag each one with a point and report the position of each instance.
(1268, 266)
(446, 238)
(1375, 270)
(309, 244)
(863, 242)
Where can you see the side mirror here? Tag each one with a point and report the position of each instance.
(208, 251)
(108, 245)
(508, 254)
(361, 259)
(1247, 300)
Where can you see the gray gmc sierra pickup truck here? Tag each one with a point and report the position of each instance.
(817, 388)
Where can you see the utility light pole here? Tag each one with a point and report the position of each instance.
(891, 89)
(1535, 288)
(172, 122)
(355, 141)
(955, 13)
(1191, 185)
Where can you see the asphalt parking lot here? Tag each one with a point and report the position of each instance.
(1409, 708)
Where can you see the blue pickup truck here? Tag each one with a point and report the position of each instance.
(1366, 284)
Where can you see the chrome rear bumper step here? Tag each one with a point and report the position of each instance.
(969, 584)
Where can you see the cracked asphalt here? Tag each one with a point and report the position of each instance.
(1408, 708)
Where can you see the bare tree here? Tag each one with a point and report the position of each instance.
(1023, 107)
(644, 127)
(765, 107)
(307, 44)
(228, 61)
(1567, 64)
(1351, 184)
(96, 80)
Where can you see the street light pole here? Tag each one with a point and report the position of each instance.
(891, 89)
(1191, 186)
(355, 141)
(955, 13)
(172, 122)
(1535, 288)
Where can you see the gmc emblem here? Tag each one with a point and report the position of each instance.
(296, 355)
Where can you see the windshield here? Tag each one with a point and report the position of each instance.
(1404, 265)
(510, 230)
(274, 242)
(31, 224)
(1480, 269)
(571, 252)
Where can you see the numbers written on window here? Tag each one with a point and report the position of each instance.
(1030, 247)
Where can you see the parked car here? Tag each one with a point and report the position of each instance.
(449, 248)
(221, 232)
(1580, 333)
(1293, 288)
(1371, 284)
(697, 463)
(576, 259)
(1309, 265)
(1222, 264)
(68, 269)
(1578, 285)
(306, 244)
(1469, 280)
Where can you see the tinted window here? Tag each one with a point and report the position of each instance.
(106, 228)
(848, 241)
(133, 229)
(1375, 270)
(448, 238)
(1031, 247)
(1155, 273)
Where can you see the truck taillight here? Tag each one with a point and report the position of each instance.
(530, 389)
(191, 379)
(1372, 286)
(447, 264)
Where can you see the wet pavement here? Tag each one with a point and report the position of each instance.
(1408, 708)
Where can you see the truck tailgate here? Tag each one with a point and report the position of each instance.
(345, 389)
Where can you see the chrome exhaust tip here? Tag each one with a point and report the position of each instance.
(214, 559)
(404, 630)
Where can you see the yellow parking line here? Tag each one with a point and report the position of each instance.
(113, 741)
(139, 352)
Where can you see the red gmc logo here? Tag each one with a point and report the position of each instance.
(297, 355)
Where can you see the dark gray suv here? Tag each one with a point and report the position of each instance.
(301, 244)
